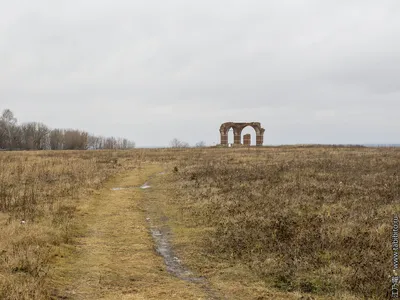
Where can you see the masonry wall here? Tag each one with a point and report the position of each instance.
(247, 139)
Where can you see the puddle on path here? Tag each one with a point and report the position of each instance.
(123, 188)
(161, 234)
(145, 186)
(173, 263)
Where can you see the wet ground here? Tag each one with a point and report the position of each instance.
(113, 256)
(174, 265)
(143, 186)
(162, 235)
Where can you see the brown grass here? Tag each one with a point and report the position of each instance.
(39, 192)
(260, 223)
(311, 220)
(114, 257)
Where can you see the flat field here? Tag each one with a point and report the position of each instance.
(257, 223)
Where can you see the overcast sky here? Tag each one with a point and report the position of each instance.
(310, 71)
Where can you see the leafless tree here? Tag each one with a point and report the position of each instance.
(8, 124)
(175, 143)
(41, 136)
(200, 144)
(37, 136)
(57, 139)
(75, 140)
(99, 142)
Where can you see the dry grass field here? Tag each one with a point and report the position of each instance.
(39, 192)
(257, 223)
(316, 220)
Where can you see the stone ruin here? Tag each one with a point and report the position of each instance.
(237, 133)
(247, 139)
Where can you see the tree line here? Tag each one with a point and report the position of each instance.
(38, 136)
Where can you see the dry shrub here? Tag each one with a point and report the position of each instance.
(38, 197)
(308, 219)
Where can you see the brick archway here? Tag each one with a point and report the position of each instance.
(237, 132)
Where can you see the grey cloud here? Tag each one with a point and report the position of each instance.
(308, 70)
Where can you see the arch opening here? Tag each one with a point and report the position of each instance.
(231, 136)
(248, 136)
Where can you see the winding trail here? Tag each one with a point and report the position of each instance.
(114, 256)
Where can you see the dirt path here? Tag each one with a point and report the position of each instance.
(115, 255)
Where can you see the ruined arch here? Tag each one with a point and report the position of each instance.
(237, 132)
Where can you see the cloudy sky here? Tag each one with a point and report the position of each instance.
(310, 71)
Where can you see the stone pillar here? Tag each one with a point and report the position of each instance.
(247, 139)
(224, 138)
(237, 138)
(260, 138)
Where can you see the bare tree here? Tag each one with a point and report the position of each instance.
(125, 144)
(110, 143)
(37, 136)
(41, 136)
(28, 136)
(175, 143)
(8, 124)
(57, 139)
(131, 145)
(200, 144)
(75, 140)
